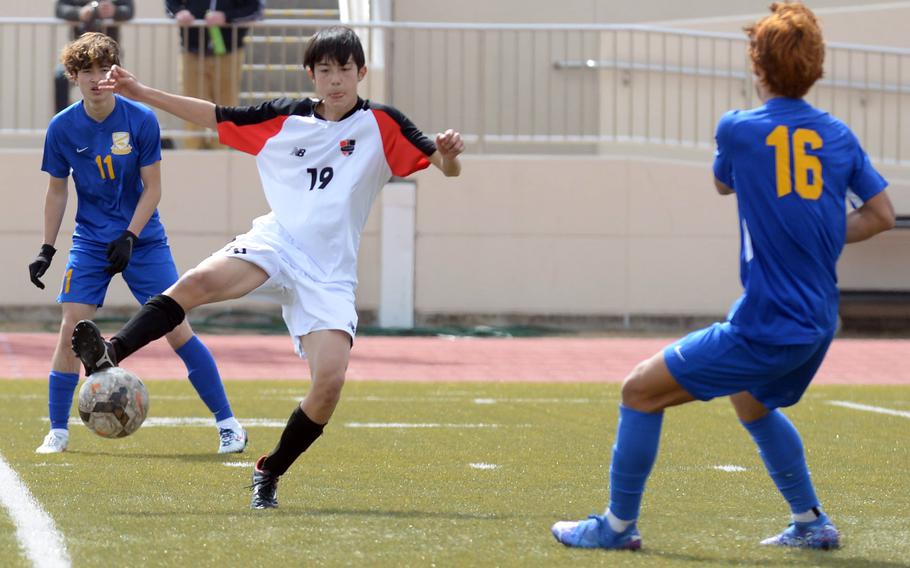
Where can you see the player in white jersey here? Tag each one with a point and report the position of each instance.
(322, 163)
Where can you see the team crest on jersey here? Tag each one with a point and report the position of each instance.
(347, 146)
(121, 144)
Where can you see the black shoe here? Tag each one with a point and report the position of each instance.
(265, 487)
(94, 352)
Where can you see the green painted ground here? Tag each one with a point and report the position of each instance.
(410, 496)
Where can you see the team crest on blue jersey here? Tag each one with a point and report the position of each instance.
(121, 144)
(347, 146)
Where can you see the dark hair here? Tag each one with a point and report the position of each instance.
(90, 48)
(788, 48)
(337, 43)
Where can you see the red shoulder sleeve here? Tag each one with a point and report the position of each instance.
(405, 151)
(248, 128)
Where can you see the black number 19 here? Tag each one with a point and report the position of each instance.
(324, 177)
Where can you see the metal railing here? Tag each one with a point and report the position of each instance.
(508, 88)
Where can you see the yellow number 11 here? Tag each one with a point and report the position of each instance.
(107, 162)
(803, 163)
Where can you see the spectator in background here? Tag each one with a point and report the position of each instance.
(103, 16)
(212, 55)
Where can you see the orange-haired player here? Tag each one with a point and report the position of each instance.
(790, 166)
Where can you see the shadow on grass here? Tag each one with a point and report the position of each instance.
(298, 512)
(793, 558)
(209, 457)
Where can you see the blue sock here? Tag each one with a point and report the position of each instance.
(203, 373)
(60, 389)
(781, 449)
(634, 453)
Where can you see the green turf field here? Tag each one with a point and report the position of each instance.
(409, 496)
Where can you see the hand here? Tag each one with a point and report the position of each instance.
(449, 144)
(184, 18)
(87, 13)
(106, 9)
(215, 18)
(40, 265)
(122, 82)
(119, 252)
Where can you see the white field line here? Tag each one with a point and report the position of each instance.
(482, 465)
(867, 408)
(239, 464)
(35, 530)
(730, 468)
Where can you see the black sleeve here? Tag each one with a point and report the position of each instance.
(408, 129)
(246, 11)
(173, 6)
(68, 10)
(124, 10)
(245, 115)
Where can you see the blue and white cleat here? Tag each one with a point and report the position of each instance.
(595, 532)
(819, 534)
(233, 440)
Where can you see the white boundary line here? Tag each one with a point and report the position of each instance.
(867, 408)
(39, 538)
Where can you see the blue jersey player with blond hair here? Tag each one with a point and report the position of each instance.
(112, 148)
(790, 166)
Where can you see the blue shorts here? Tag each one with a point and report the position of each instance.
(716, 361)
(151, 271)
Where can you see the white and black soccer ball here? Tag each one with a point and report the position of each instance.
(113, 402)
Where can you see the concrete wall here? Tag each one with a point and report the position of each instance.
(534, 236)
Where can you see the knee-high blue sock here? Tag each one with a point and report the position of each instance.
(203, 373)
(60, 389)
(781, 449)
(634, 453)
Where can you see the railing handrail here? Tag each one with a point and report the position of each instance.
(286, 23)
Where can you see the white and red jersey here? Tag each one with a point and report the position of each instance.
(320, 177)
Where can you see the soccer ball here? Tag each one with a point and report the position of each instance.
(113, 402)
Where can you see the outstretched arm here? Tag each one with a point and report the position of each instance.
(192, 110)
(875, 216)
(448, 146)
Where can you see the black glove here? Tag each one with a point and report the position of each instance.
(119, 252)
(40, 265)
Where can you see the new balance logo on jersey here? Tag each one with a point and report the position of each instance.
(299, 152)
(347, 146)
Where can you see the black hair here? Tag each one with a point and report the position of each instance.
(337, 43)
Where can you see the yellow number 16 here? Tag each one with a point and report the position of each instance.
(803, 163)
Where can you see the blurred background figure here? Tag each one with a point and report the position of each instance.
(213, 54)
(103, 16)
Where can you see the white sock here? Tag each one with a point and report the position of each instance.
(806, 516)
(228, 423)
(617, 524)
(60, 432)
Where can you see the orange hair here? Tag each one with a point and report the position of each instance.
(90, 48)
(787, 49)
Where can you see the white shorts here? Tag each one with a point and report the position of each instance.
(307, 305)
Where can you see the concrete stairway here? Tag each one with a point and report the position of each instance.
(273, 66)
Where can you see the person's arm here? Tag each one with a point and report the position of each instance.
(248, 11)
(448, 146)
(874, 217)
(722, 188)
(151, 197)
(54, 208)
(193, 110)
(124, 10)
(67, 11)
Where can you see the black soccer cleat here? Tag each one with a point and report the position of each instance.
(94, 352)
(265, 488)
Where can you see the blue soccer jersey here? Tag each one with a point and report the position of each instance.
(791, 166)
(105, 160)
